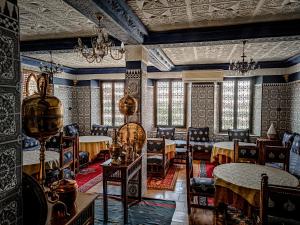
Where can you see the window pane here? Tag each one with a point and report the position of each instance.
(107, 103)
(228, 105)
(162, 102)
(119, 93)
(243, 104)
(177, 103)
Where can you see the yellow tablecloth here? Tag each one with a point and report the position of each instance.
(244, 179)
(170, 147)
(31, 161)
(225, 148)
(93, 144)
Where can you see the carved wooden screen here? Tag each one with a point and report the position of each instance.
(236, 104)
(170, 103)
(112, 92)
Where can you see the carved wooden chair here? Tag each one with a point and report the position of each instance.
(279, 204)
(239, 134)
(167, 132)
(157, 160)
(199, 189)
(245, 153)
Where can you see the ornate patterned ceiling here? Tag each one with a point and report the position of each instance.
(46, 19)
(72, 59)
(160, 15)
(264, 51)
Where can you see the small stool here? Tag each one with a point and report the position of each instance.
(83, 159)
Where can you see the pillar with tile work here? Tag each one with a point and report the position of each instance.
(136, 86)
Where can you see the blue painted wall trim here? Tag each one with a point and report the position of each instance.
(62, 81)
(292, 61)
(294, 77)
(84, 83)
(108, 70)
(273, 79)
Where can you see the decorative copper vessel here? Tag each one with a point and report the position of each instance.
(115, 150)
(67, 192)
(42, 117)
(128, 105)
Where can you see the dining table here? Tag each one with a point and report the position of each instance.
(226, 148)
(239, 184)
(170, 147)
(31, 161)
(93, 144)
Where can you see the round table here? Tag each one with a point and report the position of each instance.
(226, 148)
(94, 144)
(170, 147)
(239, 184)
(31, 161)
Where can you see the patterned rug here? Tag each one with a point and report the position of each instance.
(167, 183)
(147, 212)
(89, 177)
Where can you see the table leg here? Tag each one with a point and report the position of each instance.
(105, 207)
(124, 196)
(140, 185)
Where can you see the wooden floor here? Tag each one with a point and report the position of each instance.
(198, 216)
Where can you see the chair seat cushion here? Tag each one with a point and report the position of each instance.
(68, 157)
(180, 150)
(180, 143)
(83, 157)
(274, 220)
(203, 184)
(202, 146)
(155, 159)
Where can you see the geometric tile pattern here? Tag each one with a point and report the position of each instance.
(161, 15)
(84, 109)
(256, 118)
(202, 113)
(95, 106)
(295, 107)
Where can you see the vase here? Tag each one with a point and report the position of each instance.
(272, 134)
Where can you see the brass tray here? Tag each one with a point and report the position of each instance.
(131, 131)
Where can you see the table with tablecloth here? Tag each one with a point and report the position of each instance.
(31, 161)
(170, 147)
(226, 148)
(239, 184)
(94, 144)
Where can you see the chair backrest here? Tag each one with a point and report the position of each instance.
(277, 154)
(245, 153)
(278, 201)
(156, 146)
(71, 129)
(294, 162)
(167, 132)
(287, 139)
(239, 134)
(199, 134)
(99, 130)
(221, 159)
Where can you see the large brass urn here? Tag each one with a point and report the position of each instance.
(42, 117)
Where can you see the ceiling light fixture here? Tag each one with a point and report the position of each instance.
(101, 46)
(243, 67)
(51, 67)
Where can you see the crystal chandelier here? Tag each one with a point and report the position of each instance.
(101, 46)
(243, 67)
(51, 67)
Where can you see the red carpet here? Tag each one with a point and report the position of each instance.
(168, 183)
(89, 177)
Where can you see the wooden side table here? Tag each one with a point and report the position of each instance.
(83, 213)
(263, 141)
(121, 173)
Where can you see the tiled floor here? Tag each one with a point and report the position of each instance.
(198, 217)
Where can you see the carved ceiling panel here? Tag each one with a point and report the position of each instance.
(160, 15)
(264, 51)
(46, 19)
(72, 59)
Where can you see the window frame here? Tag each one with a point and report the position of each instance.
(113, 101)
(170, 103)
(235, 112)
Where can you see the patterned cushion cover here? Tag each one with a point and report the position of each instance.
(29, 143)
(99, 130)
(248, 153)
(52, 175)
(168, 132)
(53, 144)
(180, 143)
(202, 146)
(287, 139)
(203, 184)
(295, 156)
(72, 129)
(83, 158)
(155, 146)
(198, 134)
(240, 134)
(155, 159)
(68, 157)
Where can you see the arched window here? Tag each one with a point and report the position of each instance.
(31, 85)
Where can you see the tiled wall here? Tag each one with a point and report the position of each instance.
(202, 112)
(10, 130)
(256, 117)
(83, 103)
(95, 106)
(295, 107)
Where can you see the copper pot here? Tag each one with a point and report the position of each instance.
(67, 192)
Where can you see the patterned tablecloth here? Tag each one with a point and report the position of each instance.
(170, 147)
(244, 179)
(93, 144)
(31, 161)
(226, 148)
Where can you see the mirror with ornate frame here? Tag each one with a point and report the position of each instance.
(31, 84)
